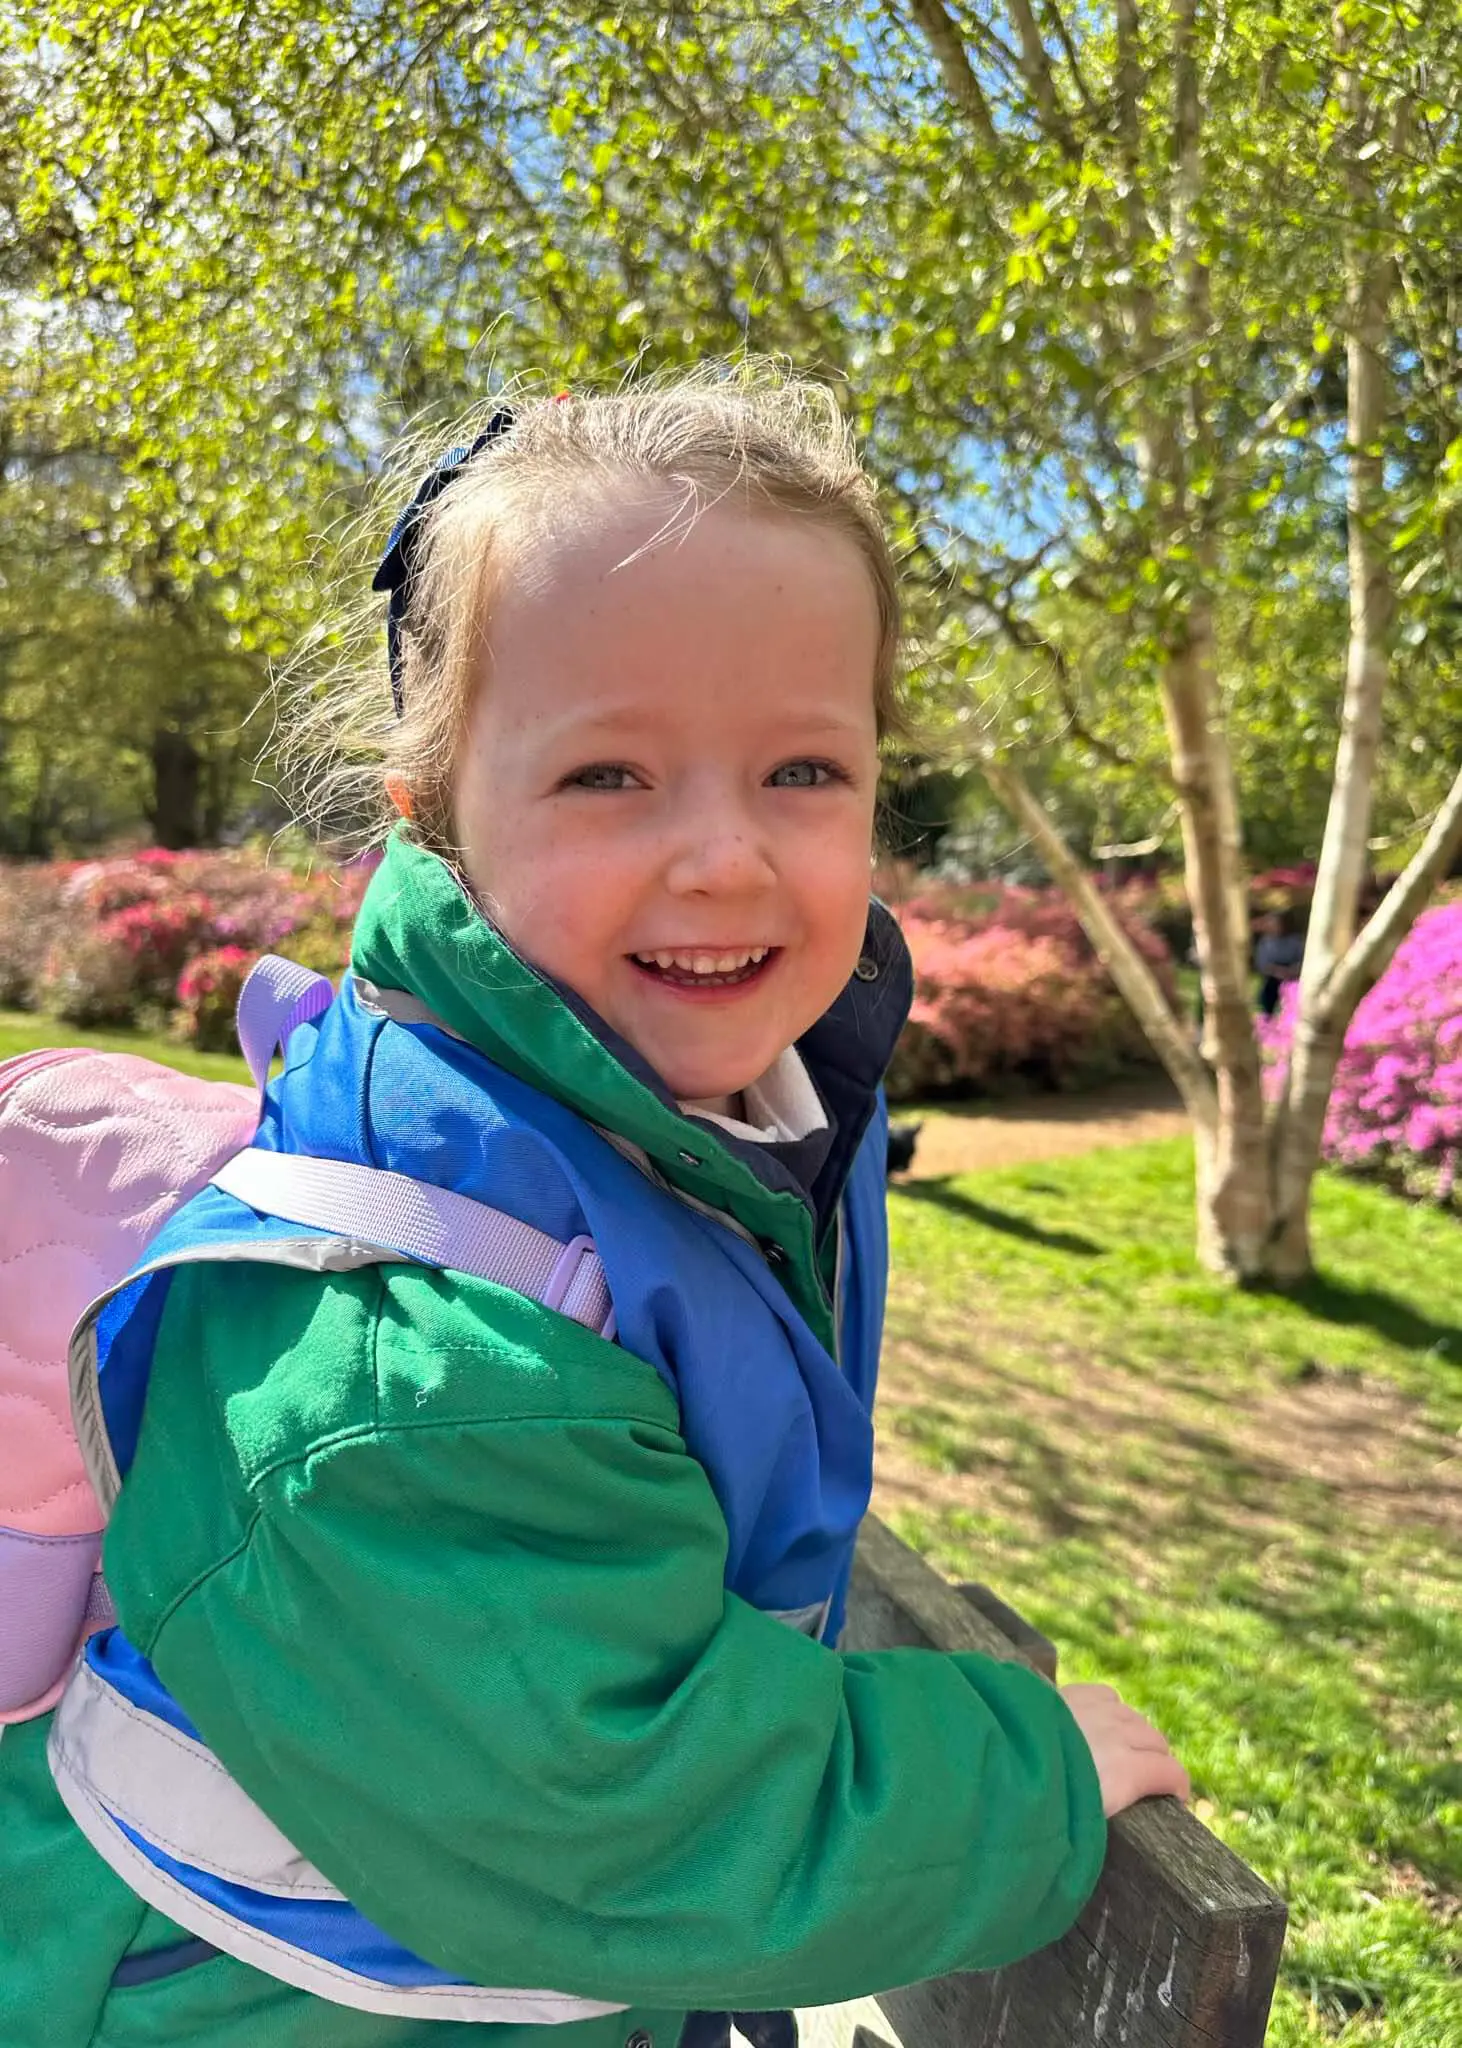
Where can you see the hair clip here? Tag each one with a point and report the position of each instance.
(398, 565)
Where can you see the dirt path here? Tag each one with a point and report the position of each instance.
(962, 1140)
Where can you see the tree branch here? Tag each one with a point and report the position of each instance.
(1035, 69)
(1132, 974)
(1027, 637)
(955, 68)
(1129, 82)
(1063, 35)
(1264, 426)
(1136, 849)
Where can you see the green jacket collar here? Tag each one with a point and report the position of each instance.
(418, 931)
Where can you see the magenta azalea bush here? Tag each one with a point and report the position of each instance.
(158, 938)
(1396, 1108)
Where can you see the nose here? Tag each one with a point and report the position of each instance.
(718, 851)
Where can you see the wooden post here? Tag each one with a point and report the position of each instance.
(1178, 1947)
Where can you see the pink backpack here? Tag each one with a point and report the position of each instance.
(96, 1151)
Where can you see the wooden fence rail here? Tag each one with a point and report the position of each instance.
(1179, 1945)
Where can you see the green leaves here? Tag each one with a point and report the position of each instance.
(264, 240)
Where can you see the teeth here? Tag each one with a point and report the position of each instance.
(706, 963)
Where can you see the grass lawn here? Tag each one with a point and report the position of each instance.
(1243, 1510)
(23, 1031)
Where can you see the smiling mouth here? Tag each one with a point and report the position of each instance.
(693, 969)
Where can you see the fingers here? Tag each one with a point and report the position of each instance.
(1170, 1779)
(1089, 1693)
(1132, 1757)
(1141, 1775)
(1141, 1734)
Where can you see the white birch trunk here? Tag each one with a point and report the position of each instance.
(1233, 1188)
(1320, 1027)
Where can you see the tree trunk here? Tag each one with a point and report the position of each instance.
(1233, 1188)
(1296, 1137)
(175, 812)
(40, 822)
(1344, 853)
(217, 784)
(1231, 1199)
(1233, 1179)
(1319, 1038)
(1128, 969)
(1323, 1017)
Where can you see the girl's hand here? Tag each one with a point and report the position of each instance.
(1133, 1760)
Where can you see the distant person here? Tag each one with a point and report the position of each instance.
(1279, 953)
(477, 1659)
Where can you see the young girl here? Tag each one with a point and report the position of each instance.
(477, 1661)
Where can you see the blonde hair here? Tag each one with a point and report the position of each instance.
(748, 435)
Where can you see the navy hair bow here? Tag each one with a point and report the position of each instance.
(398, 564)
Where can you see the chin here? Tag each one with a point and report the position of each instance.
(706, 1084)
(700, 1089)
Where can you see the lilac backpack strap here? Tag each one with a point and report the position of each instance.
(413, 1218)
(429, 1224)
(278, 996)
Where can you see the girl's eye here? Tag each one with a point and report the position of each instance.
(806, 775)
(605, 775)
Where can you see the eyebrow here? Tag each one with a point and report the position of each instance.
(629, 720)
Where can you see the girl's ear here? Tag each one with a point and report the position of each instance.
(400, 796)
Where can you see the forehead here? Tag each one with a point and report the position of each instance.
(620, 598)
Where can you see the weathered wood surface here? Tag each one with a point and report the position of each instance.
(1033, 1646)
(1178, 1947)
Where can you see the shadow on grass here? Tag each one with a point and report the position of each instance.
(1091, 1450)
(1372, 1308)
(941, 1191)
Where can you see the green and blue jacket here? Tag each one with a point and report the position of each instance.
(453, 1653)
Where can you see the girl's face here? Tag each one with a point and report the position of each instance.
(666, 790)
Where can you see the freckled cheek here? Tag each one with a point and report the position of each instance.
(573, 904)
(831, 882)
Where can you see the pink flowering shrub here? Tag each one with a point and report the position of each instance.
(208, 995)
(157, 936)
(31, 913)
(105, 941)
(87, 978)
(1396, 1107)
(1011, 992)
(1288, 888)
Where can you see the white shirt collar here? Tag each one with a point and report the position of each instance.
(780, 1107)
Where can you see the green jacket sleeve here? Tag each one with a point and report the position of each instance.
(464, 1636)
